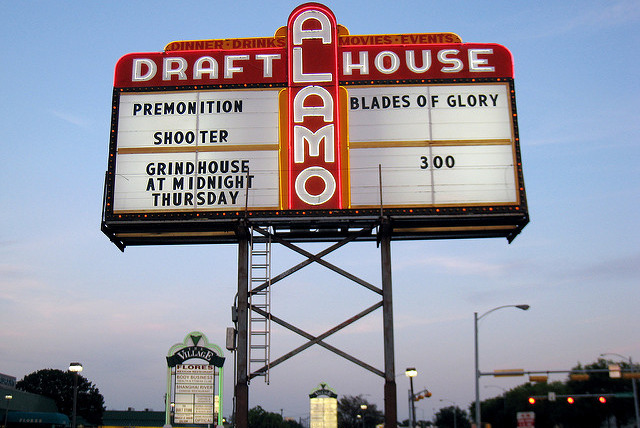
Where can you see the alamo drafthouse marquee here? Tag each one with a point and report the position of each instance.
(314, 129)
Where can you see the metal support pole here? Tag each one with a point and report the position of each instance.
(390, 399)
(635, 401)
(242, 387)
(8, 399)
(476, 318)
(75, 400)
(412, 400)
(635, 395)
(410, 396)
(477, 372)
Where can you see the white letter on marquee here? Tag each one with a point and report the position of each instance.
(302, 134)
(323, 33)
(229, 68)
(411, 61)
(169, 70)
(395, 62)
(325, 110)
(348, 65)
(199, 69)
(267, 60)
(479, 64)
(137, 70)
(299, 35)
(329, 185)
(456, 64)
(300, 76)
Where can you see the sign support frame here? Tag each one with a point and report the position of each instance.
(241, 416)
(243, 375)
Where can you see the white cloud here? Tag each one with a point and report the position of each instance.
(71, 118)
(460, 265)
(597, 18)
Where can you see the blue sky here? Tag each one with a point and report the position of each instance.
(67, 294)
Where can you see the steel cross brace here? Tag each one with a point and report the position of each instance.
(319, 340)
(315, 258)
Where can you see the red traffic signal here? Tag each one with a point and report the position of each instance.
(532, 400)
(602, 399)
(570, 400)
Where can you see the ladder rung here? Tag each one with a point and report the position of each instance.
(259, 325)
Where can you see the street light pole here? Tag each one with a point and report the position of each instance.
(8, 399)
(411, 372)
(477, 318)
(75, 368)
(363, 407)
(633, 385)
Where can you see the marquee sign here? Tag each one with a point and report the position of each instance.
(323, 407)
(193, 395)
(314, 131)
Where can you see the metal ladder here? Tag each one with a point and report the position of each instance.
(259, 326)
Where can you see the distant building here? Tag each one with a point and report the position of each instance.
(27, 410)
(132, 418)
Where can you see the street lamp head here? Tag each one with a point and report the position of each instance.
(523, 307)
(411, 372)
(8, 397)
(75, 367)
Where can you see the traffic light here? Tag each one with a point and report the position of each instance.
(421, 395)
(532, 400)
(579, 376)
(570, 400)
(542, 379)
(602, 399)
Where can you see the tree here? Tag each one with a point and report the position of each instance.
(349, 407)
(260, 418)
(452, 416)
(585, 412)
(501, 411)
(58, 385)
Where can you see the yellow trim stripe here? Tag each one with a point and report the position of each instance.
(190, 149)
(384, 144)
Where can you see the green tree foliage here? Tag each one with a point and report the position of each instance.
(349, 407)
(58, 385)
(452, 417)
(585, 412)
(501, 411)
(260, 418)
